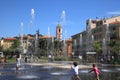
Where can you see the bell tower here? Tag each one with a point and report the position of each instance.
(59, 32)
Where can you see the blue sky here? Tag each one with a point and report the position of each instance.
(27, 16)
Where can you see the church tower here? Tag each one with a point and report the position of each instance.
(59, 32)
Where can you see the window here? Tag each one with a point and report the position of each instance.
(113, 35)
(59, 30)
(104, 21)
(113, 28)
(100, 29)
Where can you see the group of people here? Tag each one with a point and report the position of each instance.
(18, 61)
(75, 73)
(74, 69)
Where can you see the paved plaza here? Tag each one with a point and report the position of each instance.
(60, 64)
(55, 71)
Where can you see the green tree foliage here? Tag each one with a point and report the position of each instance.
(58, 47)
(97, 49)
(97, 46)
(115, 50)
(114, 46)
(15, 45)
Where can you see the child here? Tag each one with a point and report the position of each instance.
(74, 68)
(3, 61)
(17, 62)
(96, 71)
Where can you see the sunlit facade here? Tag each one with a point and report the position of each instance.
(6, 43)
(100, 30)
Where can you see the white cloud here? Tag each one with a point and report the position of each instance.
(114, 13)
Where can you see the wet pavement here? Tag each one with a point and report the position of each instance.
(54, 71)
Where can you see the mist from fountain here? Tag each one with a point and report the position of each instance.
(81, 40)
(89, 36)
(104, 43)
(92, 38)
(107, 36)
(65, 45)
(81, 47)
(104, 48)
(36, 43)
(74, 47)
(21, 38)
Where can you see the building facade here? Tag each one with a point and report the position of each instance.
(6, 43)
(69, 47)
(100, 30)
(35, 43)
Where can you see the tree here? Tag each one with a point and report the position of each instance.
(115, 49)
(58, 47)
(43, 47)
(114, 46)
(14, 47)
(97, 48)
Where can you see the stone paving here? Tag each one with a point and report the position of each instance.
(56, 70)
(60, 64)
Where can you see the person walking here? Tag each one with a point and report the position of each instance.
(75, 72)
(96, 71)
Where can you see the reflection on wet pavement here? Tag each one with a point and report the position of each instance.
(33, 72)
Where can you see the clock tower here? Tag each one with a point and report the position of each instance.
(59, 32)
